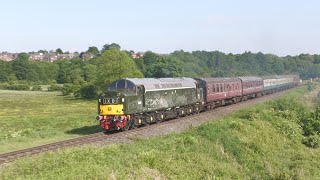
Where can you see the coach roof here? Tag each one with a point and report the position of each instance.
(219, 79)
(250, 78)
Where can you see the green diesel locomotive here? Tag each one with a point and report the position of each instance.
(130, 102)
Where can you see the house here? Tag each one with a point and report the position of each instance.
(68, 56)
(36, 56)
(5, 56)
(86, 55)
(137, 55)
(50, 57)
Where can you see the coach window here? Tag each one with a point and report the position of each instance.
(221, 87)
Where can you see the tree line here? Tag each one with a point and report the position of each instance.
(112, 63)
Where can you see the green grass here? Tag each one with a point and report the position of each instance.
(255, 143)
(30, 118)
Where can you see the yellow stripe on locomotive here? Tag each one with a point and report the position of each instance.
(114, 109)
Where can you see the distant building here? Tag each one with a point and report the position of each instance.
(5, 56)
(50, 57)
(67, 56)
(86, 55)
(36, 56)
(137, 55)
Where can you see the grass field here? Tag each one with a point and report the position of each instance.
(255, 143)
(30, 118)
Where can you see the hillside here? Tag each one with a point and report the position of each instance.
(262, 142)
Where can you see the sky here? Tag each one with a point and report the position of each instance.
(281, 27)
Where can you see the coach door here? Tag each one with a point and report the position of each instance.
(227, 89)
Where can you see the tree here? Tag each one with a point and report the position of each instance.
(140, 64)
(59, 51)
(23, 56)
(43, 51)
(150, 58)
(90, 72)
(113, 65)
(5, 68)
(63, 71)
(167, 67)
(112, 46)
(76, 76)
(21, 68)
(93, 50)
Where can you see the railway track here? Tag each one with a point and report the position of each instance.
(166, 127)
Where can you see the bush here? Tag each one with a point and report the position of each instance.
(71, 89)
(36, 88)
(312, 141)
(285, 103)
(20, 87)
(310, 86)
(55, 87)
(89, 91)
(3, 85)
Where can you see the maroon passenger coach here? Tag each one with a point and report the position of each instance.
(218, 91)
(251, 87)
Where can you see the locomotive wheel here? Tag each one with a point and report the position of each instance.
(153, 118)
(160, 117)
(125, 128)
(134, 127)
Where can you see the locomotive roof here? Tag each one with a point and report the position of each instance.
(251, 78)
(269, 77)
(163, 83)
(219, 79)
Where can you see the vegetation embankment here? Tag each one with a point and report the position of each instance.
(31, 118)
(268, 141)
